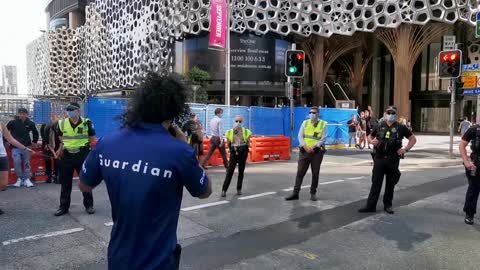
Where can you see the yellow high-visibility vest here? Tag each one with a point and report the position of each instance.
(311, 134)
(74, 138)
(246, 135)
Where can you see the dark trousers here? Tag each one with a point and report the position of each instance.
(313, 160)
(48, 166)
(387, 167)
(471, 197)
(69, 164)
(216, 142)
(239, 156)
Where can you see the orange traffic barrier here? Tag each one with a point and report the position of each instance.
(216, 159)
(37, 166)
(269, 148)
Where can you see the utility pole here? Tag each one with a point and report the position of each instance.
(452, 116)
(292, 105)
(227, 56)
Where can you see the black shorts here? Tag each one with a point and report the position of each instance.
(3, 164)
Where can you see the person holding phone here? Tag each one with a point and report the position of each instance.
(145, 167)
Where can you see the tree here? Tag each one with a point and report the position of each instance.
(406, 43)
(322, 53)
(198, 77)
(358, 67)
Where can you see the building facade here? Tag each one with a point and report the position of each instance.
(8, 80)
(110, 45)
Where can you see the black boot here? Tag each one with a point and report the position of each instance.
(469, 219)
(1, 212)
(389, 210)
(367, 209)
(61, 212)
(292, 197)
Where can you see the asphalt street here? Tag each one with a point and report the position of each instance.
(259, 230)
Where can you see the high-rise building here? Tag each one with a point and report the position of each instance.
(8, 77)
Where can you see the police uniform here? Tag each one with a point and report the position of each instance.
(386, 162)
(313, 136)
(76, 145)
(238, 154)
(473, 135)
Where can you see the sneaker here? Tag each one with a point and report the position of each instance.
(313, 198)
(469, 220)
(292, 197)
(224, 194)
(28, 183)
(18, 183)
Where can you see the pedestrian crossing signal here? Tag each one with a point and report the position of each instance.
(450, 63)
(295, 62)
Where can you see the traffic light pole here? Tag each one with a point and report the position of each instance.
(227, 58)
(452, 116)
(292, 105)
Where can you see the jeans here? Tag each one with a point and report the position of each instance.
(21, 157)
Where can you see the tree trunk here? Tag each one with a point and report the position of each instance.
(318, 74)
(403, 83)
(357, 78)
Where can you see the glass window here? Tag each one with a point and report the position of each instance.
(433, 81)
(423, 83)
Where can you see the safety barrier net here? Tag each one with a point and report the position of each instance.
(104, 113)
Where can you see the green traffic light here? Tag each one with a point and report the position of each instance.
(292, 69)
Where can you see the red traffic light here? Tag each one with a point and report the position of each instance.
(300, 56)
(449, 57)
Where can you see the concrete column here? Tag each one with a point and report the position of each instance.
(376, 78)
(74, 19)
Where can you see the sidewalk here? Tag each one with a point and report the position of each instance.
(431, 151)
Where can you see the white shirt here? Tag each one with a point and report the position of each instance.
(216, 127)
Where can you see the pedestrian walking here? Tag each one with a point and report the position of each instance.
(76, 136)
(471, 135)
(145, 169)
(20, 128)
(464, 126)
(238, 139)
(387, 140)
(352, 131)
(312, 137)
(5, 134)
(216, 141)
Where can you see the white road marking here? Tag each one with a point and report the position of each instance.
(204, 206)
(41, 236)
(291, 189)
(331, 182)
(257, 195)
(356, 178)
(109, 224)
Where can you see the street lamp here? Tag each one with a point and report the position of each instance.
(195, 87)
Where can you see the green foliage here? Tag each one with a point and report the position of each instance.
(198, 76)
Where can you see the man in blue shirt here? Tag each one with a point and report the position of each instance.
(145, 169)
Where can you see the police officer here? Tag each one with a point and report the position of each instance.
(312, 137)
(238, 142)
(387, 140)
(76, 134)
(145, 170)
(471, 169)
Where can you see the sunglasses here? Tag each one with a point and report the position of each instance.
(391, 113)
(313, 112)
(238, 121)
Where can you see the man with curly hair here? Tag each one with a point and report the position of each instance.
(145, 169)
